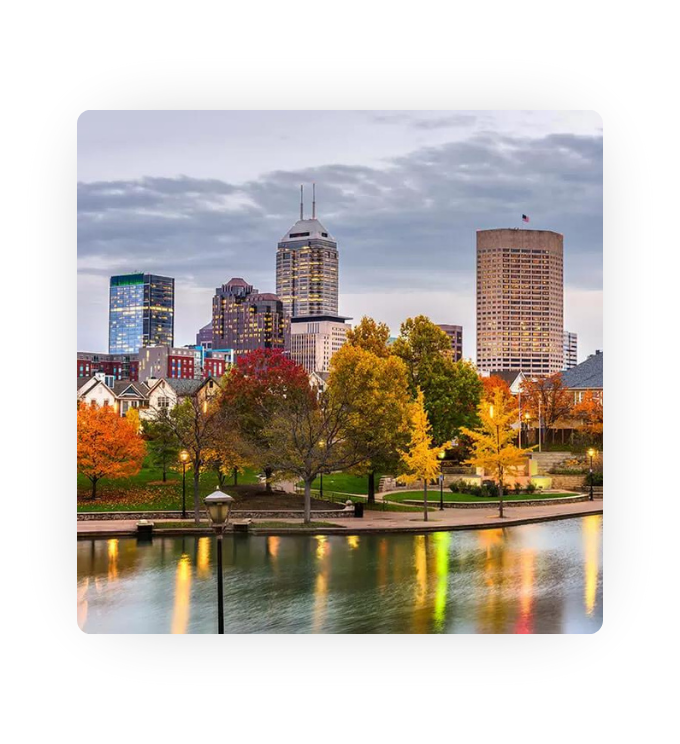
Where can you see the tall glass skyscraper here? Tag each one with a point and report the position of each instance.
(141, 312)
(307, 269)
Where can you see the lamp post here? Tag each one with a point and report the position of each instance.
(591, 454)
(498, 452)
(218, 505)
(184, 456)
(442, 455)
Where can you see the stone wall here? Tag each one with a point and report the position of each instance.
(162, 515)
(494, 504)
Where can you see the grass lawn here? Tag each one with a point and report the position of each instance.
(433, 496)
(146, 490)
(344, 483)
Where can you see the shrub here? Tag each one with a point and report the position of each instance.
(597, 479)
(531, 488)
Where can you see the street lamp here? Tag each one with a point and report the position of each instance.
(441, 456)
(498, 451)
(218, 505)
(591, 454)
(184, 456)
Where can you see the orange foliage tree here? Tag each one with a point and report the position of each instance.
(108, 445)
(589, 413)
(492, 382)
(547, 397)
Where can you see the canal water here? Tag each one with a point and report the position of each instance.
(539, 578)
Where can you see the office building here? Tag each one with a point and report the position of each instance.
(520, 291)
(312, 340)
(204, 337)
(183, 363)
(113, 366)
(455, 334)
(570, 350)
(307, 268)
(141, 312)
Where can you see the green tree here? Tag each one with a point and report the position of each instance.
(161, 441)
(419, 342)
(370, 336)
(421, 459)
(378, 422)
(493, 447)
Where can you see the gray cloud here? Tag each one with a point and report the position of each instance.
(410, 223)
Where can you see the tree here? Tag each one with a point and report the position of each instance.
(306, 437)
(193, 422)
(260, 384)
(161, 441)
(378, 422)
(546, 399)
(226, 455)
(132, 416)
(492, 382)
(108, 445)
(370, 336)
(590, 414)
(452, 393)
(421, 459)
(420, 341)
(493, 448)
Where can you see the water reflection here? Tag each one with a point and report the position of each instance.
(544, 578)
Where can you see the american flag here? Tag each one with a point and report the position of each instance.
(525, 218)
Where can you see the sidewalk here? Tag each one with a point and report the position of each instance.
(385, 521)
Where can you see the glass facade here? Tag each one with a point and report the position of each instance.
(141, 312)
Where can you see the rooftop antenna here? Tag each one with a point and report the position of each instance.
(301, 217)
(313, 200)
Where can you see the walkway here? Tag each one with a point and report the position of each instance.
(386, 521)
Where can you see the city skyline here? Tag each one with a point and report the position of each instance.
(405, 219)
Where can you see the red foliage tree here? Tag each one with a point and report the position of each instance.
(259, 386)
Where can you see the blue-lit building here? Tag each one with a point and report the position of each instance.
(141, 312)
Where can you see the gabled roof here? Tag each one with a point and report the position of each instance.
(84, 390)
(508, 375)
(585, 376)
(139, 389)
(83, 381)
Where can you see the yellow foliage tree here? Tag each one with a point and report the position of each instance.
(421, 459)
(132, 416)
(493, 447)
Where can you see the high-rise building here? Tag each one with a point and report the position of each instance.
(245, 319)
(307, 268)
(141, 312)
(520, 290)
(455, 333)
(570, 350)
(204, 337)
(313, 340)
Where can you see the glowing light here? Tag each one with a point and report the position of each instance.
(273, 544)
(112, 550)
(180, 611)
(203, 557)
(353, 541)
(322, 546)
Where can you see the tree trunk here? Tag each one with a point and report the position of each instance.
(165, 469)
(220, 478)
(308, 501)
(268, 477)
(500, 498)
(94, 488)
(197, 503)
(236, 476)
(425, 499)
(371, 487)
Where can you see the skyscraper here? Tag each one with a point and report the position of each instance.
(455, 333)
(570, 350)
(520, 290)
(245, 319)
(312, 341)
(141, 312)
(307, 268)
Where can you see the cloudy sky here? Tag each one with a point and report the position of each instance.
(205, 196)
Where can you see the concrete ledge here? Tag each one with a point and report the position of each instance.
(506, 502)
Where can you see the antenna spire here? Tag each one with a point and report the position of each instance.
(313, 200)
(301, 206)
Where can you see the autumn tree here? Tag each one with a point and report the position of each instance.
(261, 384)
(161, 441)
(492, 382)
(420, 458)
(546, 399)
(193, 422)
(493, 447)
(226, 454)
(132, 416)
(108, 445)
(378, 421)
(370, 336)
(590, 415)
(307, 437)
